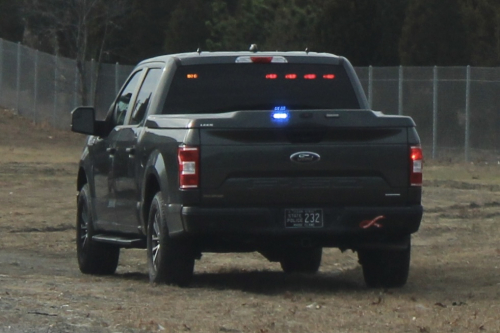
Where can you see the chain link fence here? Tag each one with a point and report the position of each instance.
(45, 88)
(456, 108)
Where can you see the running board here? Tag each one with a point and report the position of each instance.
(121, 241)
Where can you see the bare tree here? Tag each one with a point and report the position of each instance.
(79, 29)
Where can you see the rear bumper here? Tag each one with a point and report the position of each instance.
(340, 225)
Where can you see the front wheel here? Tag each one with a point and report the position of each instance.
(301, 260)
(385, 268)
(93, 257)
(170, 260)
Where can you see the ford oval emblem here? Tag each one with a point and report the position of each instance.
(305, 157)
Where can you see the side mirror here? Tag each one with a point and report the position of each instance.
(83, 120)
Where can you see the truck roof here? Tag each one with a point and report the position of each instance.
(231, 56)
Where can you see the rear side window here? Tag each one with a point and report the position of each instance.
(144, 96)
(230, 87)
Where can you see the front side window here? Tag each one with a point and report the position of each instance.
(144, 96)
(124, 99)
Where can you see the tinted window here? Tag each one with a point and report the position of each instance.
(144, 96)
(230, 87)
(124, 99)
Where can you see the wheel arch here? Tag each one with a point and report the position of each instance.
(151, 187)
(81, 180)
(155, 180)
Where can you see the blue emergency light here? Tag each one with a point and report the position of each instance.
(280, 113)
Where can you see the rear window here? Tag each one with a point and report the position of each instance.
(231, 87)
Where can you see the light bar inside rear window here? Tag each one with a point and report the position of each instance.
(246, 87)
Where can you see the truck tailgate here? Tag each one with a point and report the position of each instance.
(359, 158)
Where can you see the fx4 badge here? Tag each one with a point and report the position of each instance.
(305, 157)
(372, 223)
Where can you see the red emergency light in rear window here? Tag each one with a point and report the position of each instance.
(416, 165)
(310, 76)
(271, 76)
(329, 76)
(291, 76)
(189, 167)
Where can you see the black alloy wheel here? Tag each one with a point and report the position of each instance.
(170, 260)
(93, 257)
(385, 268)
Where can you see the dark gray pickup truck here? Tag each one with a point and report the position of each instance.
(275, 152)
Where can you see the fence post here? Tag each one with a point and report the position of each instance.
(370, 86)
(117, 81)
(75, 91)
(92, 88)
(1, 68)
(400, 106)
(35, 88)
(18, 79)
(435, 113)
(467, 114)
(56, 75)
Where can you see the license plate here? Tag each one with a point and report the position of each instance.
(303, 218)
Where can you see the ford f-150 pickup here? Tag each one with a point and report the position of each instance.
(275, 152)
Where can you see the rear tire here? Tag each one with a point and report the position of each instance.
(385, 268)
(170, 260)
(93, 257)
(301, 260)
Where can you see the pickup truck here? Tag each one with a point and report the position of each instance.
(275, 152)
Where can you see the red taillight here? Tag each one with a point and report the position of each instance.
(291, 76)
(189, 167)
(416, 165)
(271, 76)
(329, 76)
(310, 76)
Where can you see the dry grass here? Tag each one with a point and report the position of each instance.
(454, 284)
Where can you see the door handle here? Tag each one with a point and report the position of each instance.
(111, 151)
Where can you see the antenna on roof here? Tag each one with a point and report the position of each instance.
(198, 51)
(307, 50)
(253, 48)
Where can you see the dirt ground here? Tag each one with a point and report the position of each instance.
(454, 283)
